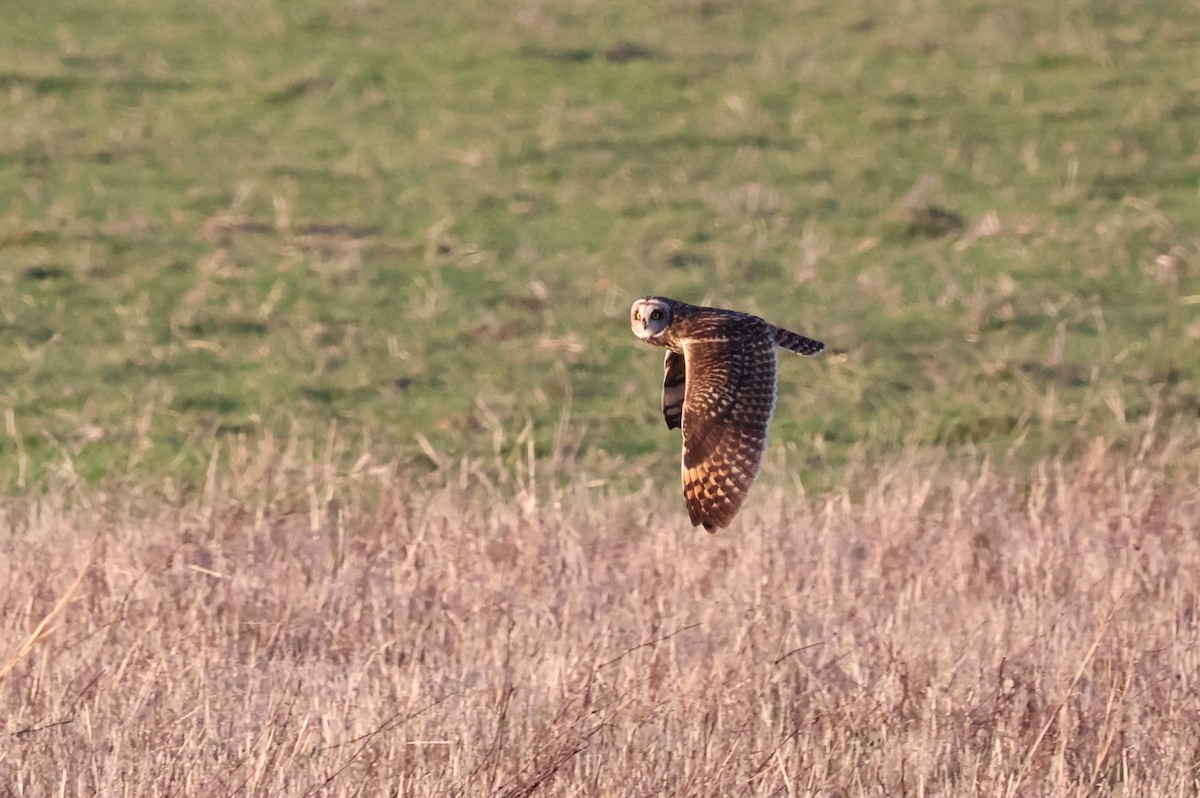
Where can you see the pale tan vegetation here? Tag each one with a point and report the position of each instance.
(941, 628)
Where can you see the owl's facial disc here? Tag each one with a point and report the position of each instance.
(648, 318)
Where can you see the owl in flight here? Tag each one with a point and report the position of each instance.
(719, 386)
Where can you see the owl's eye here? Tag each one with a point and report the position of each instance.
(655, 315)
(637, 315)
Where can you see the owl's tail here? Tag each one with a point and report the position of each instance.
(797, 343)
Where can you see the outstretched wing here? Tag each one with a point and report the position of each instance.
(730, 395)
(674, 376)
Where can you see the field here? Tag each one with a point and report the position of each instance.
(953, 631)
(240, 218)
(329, 465)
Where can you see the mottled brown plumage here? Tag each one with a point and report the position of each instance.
(719, 386)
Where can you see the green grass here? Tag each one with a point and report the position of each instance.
(244, 218)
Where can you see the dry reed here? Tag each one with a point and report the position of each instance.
(947, 629)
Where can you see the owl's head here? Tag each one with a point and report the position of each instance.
(649, 316)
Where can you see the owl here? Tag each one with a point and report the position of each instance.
(719, 387)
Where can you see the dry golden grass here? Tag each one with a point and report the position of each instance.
(943, 629)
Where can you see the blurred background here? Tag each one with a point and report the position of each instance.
(419, 227)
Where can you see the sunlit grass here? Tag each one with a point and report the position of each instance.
(524, 627)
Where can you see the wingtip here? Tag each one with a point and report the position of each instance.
(811, 346)
(800, 344)
(711, 525)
